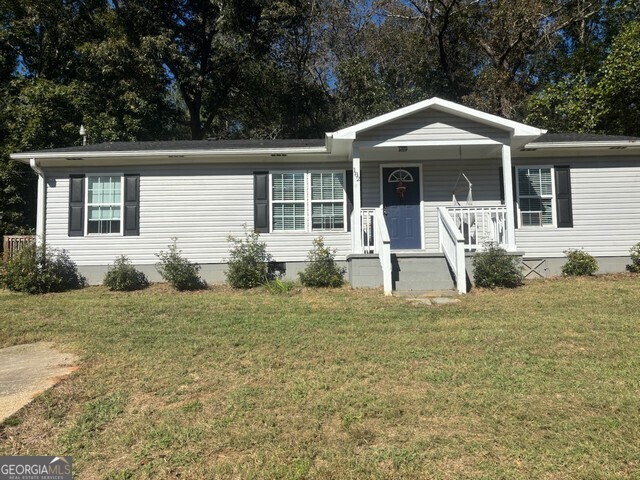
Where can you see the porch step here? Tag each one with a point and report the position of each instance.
(412, 273)
(421, 274)
(427, 294)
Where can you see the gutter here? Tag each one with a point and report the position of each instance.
(276, 152)
(594, 144)
(42, 202)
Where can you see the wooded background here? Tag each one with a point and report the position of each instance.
(180, 69)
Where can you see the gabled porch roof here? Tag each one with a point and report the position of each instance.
(517, 134)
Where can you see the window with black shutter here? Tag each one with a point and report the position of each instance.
(104, 204)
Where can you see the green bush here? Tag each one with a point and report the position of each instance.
(37, 269)
(635, 259)
(494, 267)
(249, 262)
(278, 286)
(179, 272)
(123, 277)
(322, 271)
(579, 263)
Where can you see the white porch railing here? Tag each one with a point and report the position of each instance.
(368, 234)
(481, 224)
(451, 243)
(375, 239)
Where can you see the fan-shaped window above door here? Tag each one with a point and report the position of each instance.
(400, 175)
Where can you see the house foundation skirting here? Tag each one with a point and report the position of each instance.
(212, 273)
(410, 271)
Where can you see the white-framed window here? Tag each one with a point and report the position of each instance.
(536, 196)
(308, 201)
(288, 195)
(104, 204)
(327, 201)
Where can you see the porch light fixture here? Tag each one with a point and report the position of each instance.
(403, 149)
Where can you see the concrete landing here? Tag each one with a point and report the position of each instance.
(433, 297)
(27, 371)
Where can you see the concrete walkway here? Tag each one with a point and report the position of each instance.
(28, 370)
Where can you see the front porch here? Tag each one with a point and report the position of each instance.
(408, 205)
(460, 230)
(406, 167)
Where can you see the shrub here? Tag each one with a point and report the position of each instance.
(37, 269)
(635, 259)
(494, 267)
(277, 286)
(249, 262)
(580, 263)
(322, 271)
(123, 277)
(179, 272)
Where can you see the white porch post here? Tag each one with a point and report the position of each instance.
(508, 197)
(356, 223)
(42, 203)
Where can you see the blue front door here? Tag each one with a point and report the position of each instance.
(401, 201)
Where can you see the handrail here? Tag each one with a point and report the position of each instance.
(451, 242)
(481, 224)
(367, 230)
(383, 247)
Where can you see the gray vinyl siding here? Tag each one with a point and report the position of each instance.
(200, 205)
(433, 125)
(606, 210)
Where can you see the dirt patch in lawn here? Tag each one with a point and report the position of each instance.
(28, 370)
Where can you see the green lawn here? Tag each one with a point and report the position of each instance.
(539, 382)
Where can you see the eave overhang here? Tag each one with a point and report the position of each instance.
(212, 155)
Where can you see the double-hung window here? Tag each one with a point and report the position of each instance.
(288, 196)
(327, 201)
(307, 201)
(104, 204)
(536, 196)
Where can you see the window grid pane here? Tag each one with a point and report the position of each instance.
(104, 190)
(327, 186)
(327, 216)
(288, 216)
(288, 186)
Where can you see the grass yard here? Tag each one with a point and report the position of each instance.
(539, 382)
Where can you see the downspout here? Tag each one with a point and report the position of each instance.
(42, 202)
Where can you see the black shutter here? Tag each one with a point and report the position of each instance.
(132, 205)
(564, 207)
(76, 205)
(514, 179)
(261, 202)
(348, 186)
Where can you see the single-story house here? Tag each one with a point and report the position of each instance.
(405, 198)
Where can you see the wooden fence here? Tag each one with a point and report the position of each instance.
(11, 244)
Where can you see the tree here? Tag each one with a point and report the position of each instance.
(607, 101)
(66, 65)
(617, 89)
(203, 47)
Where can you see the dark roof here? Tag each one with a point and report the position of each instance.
(191, 145)
(581, 137)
